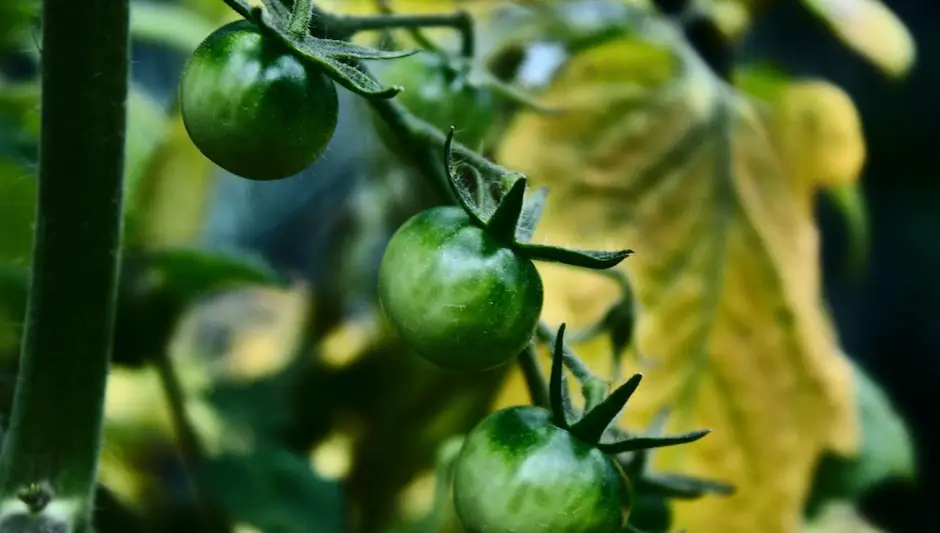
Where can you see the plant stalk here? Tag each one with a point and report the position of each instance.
(300, 17)
(56, 423)
(534, 378)
(459, 20)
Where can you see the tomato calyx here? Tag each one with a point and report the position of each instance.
(595, 422)
(338, 59)
(513, 220)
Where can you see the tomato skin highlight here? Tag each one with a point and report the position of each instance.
(519, 472)
(252, 107)
(455, 294)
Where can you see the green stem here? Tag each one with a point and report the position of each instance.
(190, 449)
(55, 427)
(534, 378)
(416, 33)
(300, 17)
(460, 21)
(425, 141)
(580, 371)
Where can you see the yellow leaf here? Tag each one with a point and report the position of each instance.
(818, 132)
(660, 156)
(166, 216)
(872, 30)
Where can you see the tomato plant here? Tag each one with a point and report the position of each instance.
(254, 108)
(456, 294)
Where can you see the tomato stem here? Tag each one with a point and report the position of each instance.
(534, 378)
(459, 20)
(58, 406)
(300, 16)
(581, 372)
(190, 448)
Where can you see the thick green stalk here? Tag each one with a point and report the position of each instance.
(55, 427)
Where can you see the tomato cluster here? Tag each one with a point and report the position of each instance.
(457, 284)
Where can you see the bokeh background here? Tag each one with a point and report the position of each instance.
(307, 378)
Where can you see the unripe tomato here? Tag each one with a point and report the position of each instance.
(252, 107)
(457, 295)
(439, 96)
(517, 471)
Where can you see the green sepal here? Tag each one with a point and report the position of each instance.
(332, 56)
(464, 197)
(505, 219)
(633, 444)
(557, 388)
(684, 487)
(531, 214)
(595, 422)
(594, 260)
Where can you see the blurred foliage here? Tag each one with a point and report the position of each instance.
(683, 170)
(311, 415)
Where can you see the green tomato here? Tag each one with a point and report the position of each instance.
(252, 107)
(517, 471)
(457, 295)
(440, 97)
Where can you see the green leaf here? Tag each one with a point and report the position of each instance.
(275, 491)
(189, 273)
(579, 258)
(886, 451)
(849, 200)
(592, 426)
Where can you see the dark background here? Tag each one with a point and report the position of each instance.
(889, 318)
